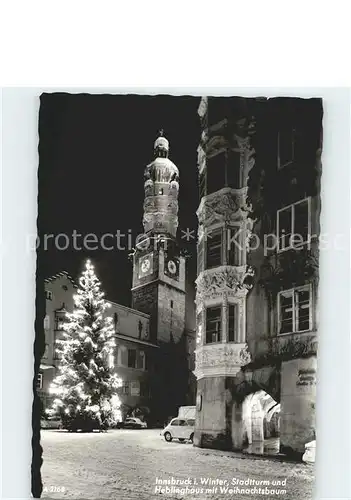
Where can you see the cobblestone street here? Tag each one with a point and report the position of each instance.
(128, 464)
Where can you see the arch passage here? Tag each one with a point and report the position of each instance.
(261, 417)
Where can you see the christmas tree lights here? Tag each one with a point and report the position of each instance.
(86, 387)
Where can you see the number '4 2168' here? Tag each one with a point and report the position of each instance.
(53, 489)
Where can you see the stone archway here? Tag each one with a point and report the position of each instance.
(255, 399)
(261, 417)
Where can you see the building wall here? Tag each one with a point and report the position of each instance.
(129, 321)
(298, 403)
(171, 313)
(59, 292)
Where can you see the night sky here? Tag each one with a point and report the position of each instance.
(92, 153)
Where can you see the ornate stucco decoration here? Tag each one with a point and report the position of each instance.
(221, 359)
(202, 109)
(201, 158)
(227, 205)
(216, 143)
(225, 279)
(243, 143)
(247, 159)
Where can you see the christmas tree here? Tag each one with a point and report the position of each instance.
(86, 385)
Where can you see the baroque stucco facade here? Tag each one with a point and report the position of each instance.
(253, 337)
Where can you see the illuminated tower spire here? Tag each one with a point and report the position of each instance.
(161, 191)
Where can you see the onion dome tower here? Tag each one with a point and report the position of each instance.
(161, 192)
(158, 268)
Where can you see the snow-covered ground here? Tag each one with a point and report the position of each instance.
(126, 464)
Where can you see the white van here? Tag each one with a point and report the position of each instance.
(179, 428)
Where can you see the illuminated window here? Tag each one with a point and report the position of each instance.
(213, 324)
(294, 310)
(294, 225)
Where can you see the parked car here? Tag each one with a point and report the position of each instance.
(179, 428)
(132, 423)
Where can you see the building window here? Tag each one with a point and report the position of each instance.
(47, 322)
(135, 388)
(286, 146)
(216, 179)
(294, 310)
(213, 324)
(125, 388)
(214, 249)
(234, 246)
(132, 358)
(39, 383)
(294, 225)
(60, 319)
(160, 191)
(48, 295)
(231, 322)
(140, 360)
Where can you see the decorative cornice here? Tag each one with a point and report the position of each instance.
(215, 360)
(229, 280)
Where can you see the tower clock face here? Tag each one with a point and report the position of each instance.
(172, 268)
(145, 265)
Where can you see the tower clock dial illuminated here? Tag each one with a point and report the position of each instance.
(171, 267)
(145, 265)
